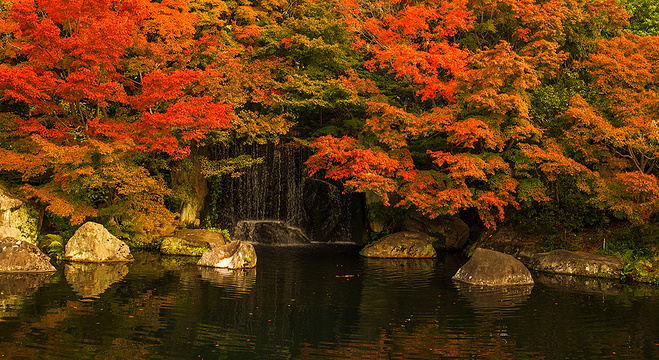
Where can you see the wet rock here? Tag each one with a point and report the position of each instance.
(236, 255)
(192, 242)
(450, 233)
(577, 263)
(92, 279)
(93, 243)
(404, 244)
(22, 256)
(489, 267)
(269, 232)
(21, 216)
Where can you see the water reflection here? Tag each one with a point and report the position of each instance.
(236, 282)
(14, 287)
(580, 284)
(90, 280)
(317, 303)
(494, 299)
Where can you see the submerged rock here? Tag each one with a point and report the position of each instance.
(237, 255)
(489, 267)
(22, 256)
(404, 244)
(92, 242)
(192, 242)
(269, 232)
(577, 263)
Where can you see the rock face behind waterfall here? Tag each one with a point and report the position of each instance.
(269, 232)
(18, 215)
(21, 256)
(93, 243)
(237, 255)
(489, 267)
(280, 190)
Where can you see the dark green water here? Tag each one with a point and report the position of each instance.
(316, 302)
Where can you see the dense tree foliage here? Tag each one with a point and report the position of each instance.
(549, 107)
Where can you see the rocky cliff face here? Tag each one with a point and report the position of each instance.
(18, 215)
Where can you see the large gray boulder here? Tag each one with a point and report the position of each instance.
(237, 255)
(93, 243)
(22, 256)
(489, 267)
(577, 263)
(404, 244)
(21, 216)
(192, 242)
(269, 232)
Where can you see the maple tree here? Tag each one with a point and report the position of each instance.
(616, 131)
(103, 91)
(474, 143)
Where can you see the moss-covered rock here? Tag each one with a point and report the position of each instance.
(192, 242)
(404, 244)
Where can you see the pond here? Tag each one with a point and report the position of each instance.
(313, 302)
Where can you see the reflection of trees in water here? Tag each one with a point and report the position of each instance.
(306, 310)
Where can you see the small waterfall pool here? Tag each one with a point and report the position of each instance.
(317, 301)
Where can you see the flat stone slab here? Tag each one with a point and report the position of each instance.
(492, 268)
(577, 263)
(404, 244)
(22, 256)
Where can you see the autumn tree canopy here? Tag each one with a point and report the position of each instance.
(440, 106)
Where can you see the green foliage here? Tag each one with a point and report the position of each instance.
(60, 225)
(224, 232)
(644, 16)
(636, 247)
(53, 246)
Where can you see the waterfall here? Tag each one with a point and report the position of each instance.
(280, 190)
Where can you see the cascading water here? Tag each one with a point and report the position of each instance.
(280, 191)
